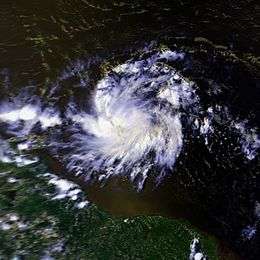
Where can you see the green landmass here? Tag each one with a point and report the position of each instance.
(34, 224)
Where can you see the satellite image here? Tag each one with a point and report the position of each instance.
(129, 130)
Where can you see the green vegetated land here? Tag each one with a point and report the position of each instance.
(34, 224)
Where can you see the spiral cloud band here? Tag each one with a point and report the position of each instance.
(137, 121)
(141, 116)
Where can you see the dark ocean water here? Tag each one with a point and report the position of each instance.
(54, 53)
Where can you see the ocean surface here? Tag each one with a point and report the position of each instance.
(152, 108)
